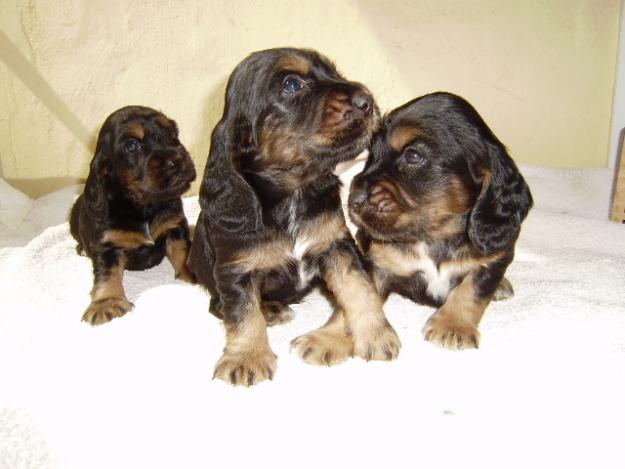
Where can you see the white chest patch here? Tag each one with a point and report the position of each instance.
(417, 262)
(438, 280)
(301, 246)
(305, 272)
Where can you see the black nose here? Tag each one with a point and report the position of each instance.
(363, 102)
(357, 198)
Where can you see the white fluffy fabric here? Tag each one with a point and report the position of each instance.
(14, 205)
(545, 389)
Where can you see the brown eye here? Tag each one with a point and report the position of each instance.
(132, 145)
(413, 157)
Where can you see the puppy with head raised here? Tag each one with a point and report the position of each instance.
(439, 207)
(130, 214)
(272, 226)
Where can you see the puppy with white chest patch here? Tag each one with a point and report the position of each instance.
(439, 207)
(272, 227)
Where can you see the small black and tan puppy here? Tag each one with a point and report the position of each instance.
(271, 224)
(130, 215)
(439, 207)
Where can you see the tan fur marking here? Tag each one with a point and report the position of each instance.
(111, 286)
(467, 264)
(265, 256)
(487, 174)
(163, 121)
(163, 226)
(407, 262)
(276, 313)
(454, 325)
(136, 130)
(398, 193)
(401, 136)
(281, 158)
(354, 292)
(108, 300)
(441, 210)
(247, 357)
(127, 239)
(322, 232)
(329, 345)
(389, 257)
(177, 251)
(294, 63)
(374, 338)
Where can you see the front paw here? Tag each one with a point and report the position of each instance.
(323, 347)
(186, 276)
(504, 290)
(103, 311)
(451, 333)
(276, 313)
(381, 343)
(246, 369)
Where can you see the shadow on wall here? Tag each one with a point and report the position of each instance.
(37, 84)
(27, 73)
(213, 110)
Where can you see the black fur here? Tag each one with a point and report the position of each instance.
(289, 118)
(132, 189)
(242, 204)
(451, 189)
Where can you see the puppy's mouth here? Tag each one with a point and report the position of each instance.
(344, 143)
(167, 178)
(377, 210)
(345, 125)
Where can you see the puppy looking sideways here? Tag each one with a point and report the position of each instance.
(439, 207)
(130, 215)
(271, 225)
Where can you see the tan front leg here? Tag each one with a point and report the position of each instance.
(454, 325)
(374, 338)
(359, 316)
(108, 300)
(177, 252)
(329, 345)
(247, 358)
(358, 327)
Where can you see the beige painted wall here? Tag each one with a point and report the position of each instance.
(541, 72)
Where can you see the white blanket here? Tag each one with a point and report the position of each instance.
(546, 388)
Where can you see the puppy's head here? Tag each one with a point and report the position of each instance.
(295, 116)
(289, 117)
(138, 155)
(436, 171)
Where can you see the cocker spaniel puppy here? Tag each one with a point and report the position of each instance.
(271, 224)
(439, 207)
(130, 214)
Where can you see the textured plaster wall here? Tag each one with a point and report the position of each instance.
(541, 72)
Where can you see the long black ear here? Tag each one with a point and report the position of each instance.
(503, 203)
(96, 202)
(229, 203)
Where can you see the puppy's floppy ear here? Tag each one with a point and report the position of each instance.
(96, 202)
(230, 203)
(503, 202)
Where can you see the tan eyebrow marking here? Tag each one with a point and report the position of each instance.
(294, 63)
(402, 135)
(136, 130)
(163, 121)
